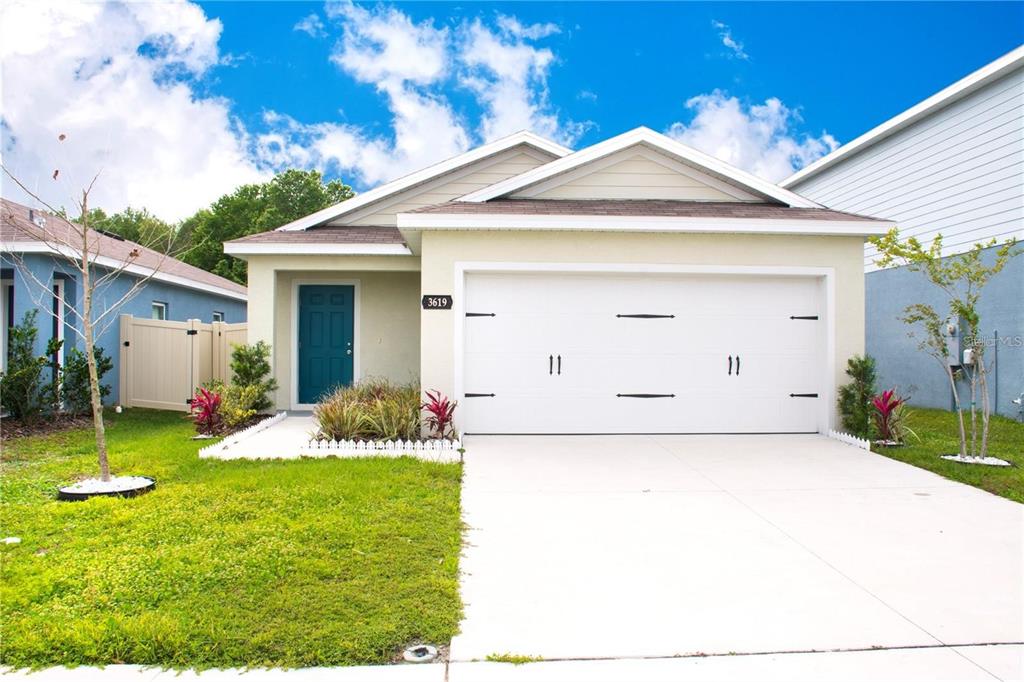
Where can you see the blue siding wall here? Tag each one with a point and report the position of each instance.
(182, 304)
(901, 364)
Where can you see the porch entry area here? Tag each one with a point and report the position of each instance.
(326, 339)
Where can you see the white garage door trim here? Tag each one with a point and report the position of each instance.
(462, 268)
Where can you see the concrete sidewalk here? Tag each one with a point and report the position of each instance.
(959, 664)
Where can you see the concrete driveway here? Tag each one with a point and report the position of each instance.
(653, 546)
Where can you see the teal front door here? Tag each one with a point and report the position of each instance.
(326, 343)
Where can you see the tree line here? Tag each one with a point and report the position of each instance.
(198, 240)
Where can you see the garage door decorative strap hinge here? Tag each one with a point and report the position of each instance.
(645, 395)
(803, 395)
(646, 316)
(479, 395)
(479, 314)
(803, 317)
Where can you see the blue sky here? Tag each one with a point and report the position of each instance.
(179, 102)
(847, 66)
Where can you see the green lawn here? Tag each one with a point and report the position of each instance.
(319, 562)
(938, 431)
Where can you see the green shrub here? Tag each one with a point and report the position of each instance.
(372, 409)
(21, 386)
(250, 366)
(75, 391)
(237, 403)
(855, 397)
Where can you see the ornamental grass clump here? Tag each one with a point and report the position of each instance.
(372, 409)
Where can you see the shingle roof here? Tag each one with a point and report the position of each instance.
(17, 227)
(637, 207)
(347, 234)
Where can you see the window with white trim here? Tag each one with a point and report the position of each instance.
(58, 318)
(159, 310)
(218, 316)
(6, 318)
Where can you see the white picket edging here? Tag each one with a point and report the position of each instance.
(239, 436)
(429, 450)
(856, 442)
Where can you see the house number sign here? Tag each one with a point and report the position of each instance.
(437, 302)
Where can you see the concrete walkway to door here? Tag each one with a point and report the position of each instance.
(651, 546)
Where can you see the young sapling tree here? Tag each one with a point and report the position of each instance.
(78, 248)
(961, 278)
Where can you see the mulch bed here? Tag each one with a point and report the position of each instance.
(15, 428)
(224, 433)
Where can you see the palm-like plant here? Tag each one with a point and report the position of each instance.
(206, 411)
(891, 416)
(441, 413)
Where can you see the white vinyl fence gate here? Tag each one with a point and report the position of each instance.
(162, 362)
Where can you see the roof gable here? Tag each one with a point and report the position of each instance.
(711, 172)
(637, 172)
(447, 186)
(362, 204)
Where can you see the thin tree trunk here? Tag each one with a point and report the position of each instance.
(974, 409)
(986, 407)
(959, 411)
(90, 354)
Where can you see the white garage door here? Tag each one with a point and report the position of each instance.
(611, 353)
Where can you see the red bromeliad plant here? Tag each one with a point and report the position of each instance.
(886, 409)
(206, 411)
(441, 413)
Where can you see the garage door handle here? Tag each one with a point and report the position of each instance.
(551, 364)
(737, 365)
(559, 365)
(730, 365)
(803, 395)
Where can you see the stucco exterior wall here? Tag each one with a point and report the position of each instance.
(902, 365)
(388, 343)
(182, 304)
(441, 251)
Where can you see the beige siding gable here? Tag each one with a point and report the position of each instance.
(636, 173)
(451, 186)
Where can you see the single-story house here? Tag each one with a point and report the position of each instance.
(633, 286)
(952, 165)
(29, 258)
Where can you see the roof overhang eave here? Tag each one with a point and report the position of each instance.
(410, 223)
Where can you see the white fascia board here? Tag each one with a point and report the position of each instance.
(439, 221)
(653, 139)
(963, 87)
(428, 173)
(312, 249)
(114, 264)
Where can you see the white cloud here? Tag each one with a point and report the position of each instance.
(512, 27)
(403, 60)
(735, 46)
(312, 24)
(509, 78)
(411, 64)
(586, 95)
(117, 80)
(758, 138)
(123, 82)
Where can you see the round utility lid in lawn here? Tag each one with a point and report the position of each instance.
(420, 653)
(117, 486)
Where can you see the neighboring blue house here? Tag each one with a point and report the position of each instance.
(951, 165)
(177, 292)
